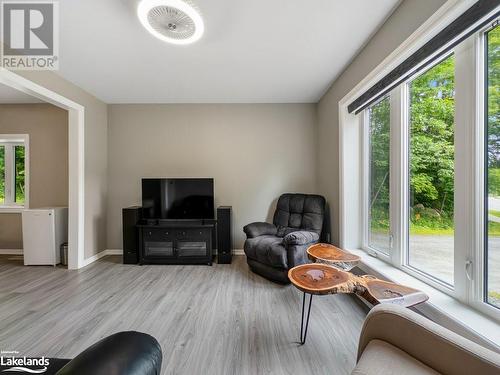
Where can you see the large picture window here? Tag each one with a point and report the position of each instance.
(379, 176)
(430, 184)
(431, 171)
(492, 242)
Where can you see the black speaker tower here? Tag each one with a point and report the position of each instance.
(130, 217)
(224, 237)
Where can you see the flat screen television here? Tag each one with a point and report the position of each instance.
(178, 198)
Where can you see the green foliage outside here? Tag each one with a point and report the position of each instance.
(493, 134)
(493, 180)
(493, 84)
(494, 112)
(494, 297)
(2, 174)
(379, 167)
(431, 154)
(494, 213)
(432, 109)
(20, 173)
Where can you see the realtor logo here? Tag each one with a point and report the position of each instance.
(30, 35)
(11, 363)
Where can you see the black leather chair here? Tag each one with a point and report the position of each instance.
(272, 249)
(124, 353)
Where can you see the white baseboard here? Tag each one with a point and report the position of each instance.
(11, 251)
(106, 252)
(113, 252)
(101, 254)
(93, 258)
(120, 252)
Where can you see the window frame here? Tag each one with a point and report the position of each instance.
(405, 125)
(470, 226)
(10, 141)
(399, 150)
(478, 290)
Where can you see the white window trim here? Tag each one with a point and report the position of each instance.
(476, 292)
(9, 206)
(351, 191)
(467, 142)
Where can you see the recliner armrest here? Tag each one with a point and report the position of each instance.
(124, 353)
(260, 229)
(300, 237)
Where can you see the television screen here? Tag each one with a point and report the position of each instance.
(178, 198)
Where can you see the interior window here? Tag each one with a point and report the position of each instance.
(379, 176)
(12, 172)
(431, 171)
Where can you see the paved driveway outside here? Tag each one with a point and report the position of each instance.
(434, 255)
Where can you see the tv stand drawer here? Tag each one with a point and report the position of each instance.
(198, 233)
(159, 234)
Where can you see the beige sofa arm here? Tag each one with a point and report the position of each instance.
(431, 344)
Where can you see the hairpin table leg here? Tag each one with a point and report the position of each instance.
(303, 329)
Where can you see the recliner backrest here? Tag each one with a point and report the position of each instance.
(299, 212)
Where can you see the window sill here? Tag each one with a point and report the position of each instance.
(11, 209)
(441, 308)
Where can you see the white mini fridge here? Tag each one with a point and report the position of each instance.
(44, 231)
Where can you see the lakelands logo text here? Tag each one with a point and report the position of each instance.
(30, 35)
(24, 364)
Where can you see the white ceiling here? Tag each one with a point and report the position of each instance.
(253, 51)
(9, 95)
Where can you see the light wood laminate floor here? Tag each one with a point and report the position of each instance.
(209, 320)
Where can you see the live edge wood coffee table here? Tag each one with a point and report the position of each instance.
(323, 279)
(332, 255)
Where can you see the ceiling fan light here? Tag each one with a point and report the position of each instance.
(172, 21)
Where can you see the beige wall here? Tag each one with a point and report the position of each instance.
(47, 127)
(254, 152)
(96, 153)
(400, 25)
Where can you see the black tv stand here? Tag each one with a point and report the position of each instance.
(176, 241)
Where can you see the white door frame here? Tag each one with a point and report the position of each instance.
(76, 112)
